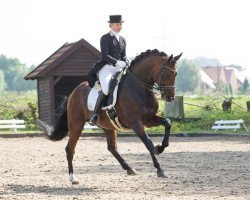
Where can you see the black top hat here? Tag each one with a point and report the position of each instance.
(115, 19)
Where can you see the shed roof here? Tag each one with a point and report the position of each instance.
(58, 56)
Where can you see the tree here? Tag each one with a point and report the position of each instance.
(188, 78)
(14, 71)
(2, 82)
(244, 86)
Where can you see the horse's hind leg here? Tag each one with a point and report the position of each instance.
(111, 136)
(75, 129)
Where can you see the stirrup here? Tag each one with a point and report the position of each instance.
(93, 120)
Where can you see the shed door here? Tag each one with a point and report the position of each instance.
(63, 89)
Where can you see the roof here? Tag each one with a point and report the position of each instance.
(240, 75)
(206, 79)
(229, 73)
(58, 56)
(213, 72)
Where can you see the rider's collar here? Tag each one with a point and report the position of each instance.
(113, 33)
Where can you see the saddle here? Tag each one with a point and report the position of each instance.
(109, 101)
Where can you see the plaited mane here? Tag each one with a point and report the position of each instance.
(146, 54)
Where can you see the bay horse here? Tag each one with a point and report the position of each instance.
(136, 107)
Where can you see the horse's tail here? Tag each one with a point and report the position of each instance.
(61, 128)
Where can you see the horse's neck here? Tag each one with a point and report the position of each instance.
(146, 70)
(142, 81)
(142, 96)
(144, 74)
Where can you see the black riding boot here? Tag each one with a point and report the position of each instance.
(98, 106)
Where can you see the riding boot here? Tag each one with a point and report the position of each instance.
(98, 106)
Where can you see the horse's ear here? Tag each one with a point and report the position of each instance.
(177, 57)
(170, 58)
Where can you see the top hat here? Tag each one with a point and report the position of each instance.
(115, 19)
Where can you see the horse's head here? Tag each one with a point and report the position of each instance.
(166, 77)
(154, 67)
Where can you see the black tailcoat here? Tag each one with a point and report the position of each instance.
(112, 50)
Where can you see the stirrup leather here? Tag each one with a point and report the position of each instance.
(93, 120)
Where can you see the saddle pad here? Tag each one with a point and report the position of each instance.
(93, 95)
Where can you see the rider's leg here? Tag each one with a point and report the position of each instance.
(98, 106)
(104, 75)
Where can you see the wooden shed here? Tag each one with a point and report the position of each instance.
(59, 74)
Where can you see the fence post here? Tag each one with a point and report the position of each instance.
(248, 106)
(175, 108)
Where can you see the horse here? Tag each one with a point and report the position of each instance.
(136, 107)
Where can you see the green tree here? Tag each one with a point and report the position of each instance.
(188, 78)
(244, 86)
(14, 71)
(2, 82)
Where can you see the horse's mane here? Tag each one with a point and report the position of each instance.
(146, 54)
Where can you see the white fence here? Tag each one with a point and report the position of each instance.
(12, 124)
(229, 124)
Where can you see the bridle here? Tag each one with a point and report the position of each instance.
(158, 85)
(161, 86)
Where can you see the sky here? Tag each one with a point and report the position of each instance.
(31, 30)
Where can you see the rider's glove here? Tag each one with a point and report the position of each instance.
(120, 64)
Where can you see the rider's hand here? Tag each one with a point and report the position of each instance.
(120, 64)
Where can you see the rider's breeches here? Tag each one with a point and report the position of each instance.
(105, 74)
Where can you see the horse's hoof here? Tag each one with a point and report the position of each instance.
(73, 179)
(160, 173)
(132, 172)
(75, 182)
(158, 150)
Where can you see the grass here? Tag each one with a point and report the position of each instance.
(197, 119)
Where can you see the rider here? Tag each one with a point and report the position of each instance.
(113, 50)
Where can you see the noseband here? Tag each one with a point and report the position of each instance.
(159, 86)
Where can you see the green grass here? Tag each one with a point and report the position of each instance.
(20, 106)
(197, 119)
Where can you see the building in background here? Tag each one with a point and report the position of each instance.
(59, 74)
(223, 76)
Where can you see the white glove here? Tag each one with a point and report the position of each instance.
(120, 64)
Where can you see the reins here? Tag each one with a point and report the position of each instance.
(147, 86)
(158, 87)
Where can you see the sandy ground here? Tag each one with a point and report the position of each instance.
(197, 168)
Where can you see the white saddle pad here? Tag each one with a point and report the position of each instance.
(93, 95)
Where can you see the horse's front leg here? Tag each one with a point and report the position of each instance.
(157, 121)
(139, 130)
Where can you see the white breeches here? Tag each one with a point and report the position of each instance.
(105, 74)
